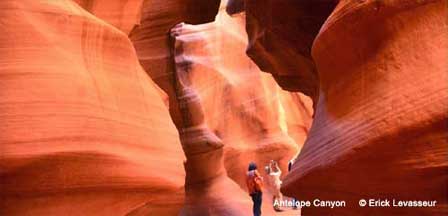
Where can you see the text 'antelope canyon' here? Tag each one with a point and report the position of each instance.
(223, 107)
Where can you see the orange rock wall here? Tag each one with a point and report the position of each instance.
(380, 126)
(245, 107)
(103, 102)
(84, 130)
(204, 70)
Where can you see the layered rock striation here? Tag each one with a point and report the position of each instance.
(222, 120)
(254, 117)
(84, 130)
(380, 124)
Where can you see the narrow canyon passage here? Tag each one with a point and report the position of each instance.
(227, 111)
(157, 107)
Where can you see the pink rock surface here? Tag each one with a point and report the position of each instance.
(152, 42)
(207, 186)
(84, 130)
(197, 67)
(245, 107)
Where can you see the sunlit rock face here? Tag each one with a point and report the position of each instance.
(244, 107)
(152, 42)
(380, 128)
(84, 130)
(254, 117)
(226, 110)
(207, 187)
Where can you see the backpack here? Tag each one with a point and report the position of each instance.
(254, 182)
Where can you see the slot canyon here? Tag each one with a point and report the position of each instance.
(157, 107)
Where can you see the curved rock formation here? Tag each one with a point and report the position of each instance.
(123, 14)
(281, 33)
(195, 57)
(207, 186)
(154, 46)
(84, 130)
(380, 128)
(246, 108)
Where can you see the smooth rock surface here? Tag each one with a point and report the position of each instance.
(154, 46)
(380, 128)
(84, 130)
(255, 118)
(223, 120)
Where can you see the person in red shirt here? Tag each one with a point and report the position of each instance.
(254, 183)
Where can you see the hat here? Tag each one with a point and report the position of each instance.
(252, 166)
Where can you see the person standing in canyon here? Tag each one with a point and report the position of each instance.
(274, 174)
(254, 183)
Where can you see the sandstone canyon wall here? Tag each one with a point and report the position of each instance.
(254, 117)
(222, 120)
(87, 132)
(84, 130)
(281, 34)
(380, 126)
(155, 107)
